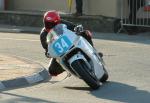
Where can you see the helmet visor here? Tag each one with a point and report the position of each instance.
(49, 25)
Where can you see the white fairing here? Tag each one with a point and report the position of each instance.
(78, 42)
(88, 49)
(76, 57)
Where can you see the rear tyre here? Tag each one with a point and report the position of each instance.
(105, 76)
(84, 72)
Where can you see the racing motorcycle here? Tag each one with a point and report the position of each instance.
(76, 55)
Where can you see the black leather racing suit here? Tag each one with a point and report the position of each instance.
(54, 67)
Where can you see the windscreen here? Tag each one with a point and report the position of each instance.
(56, 32)
(59, 29)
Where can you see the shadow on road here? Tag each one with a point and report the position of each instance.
(143, 38)
(118, 92)
(122, 92)
(79, 88)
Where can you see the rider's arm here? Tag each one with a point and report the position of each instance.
(73, 27)
(70, 25)
(43, 36)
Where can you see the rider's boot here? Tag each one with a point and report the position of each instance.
(55, 68)
(100, 54)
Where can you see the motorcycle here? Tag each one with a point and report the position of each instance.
(76, 55)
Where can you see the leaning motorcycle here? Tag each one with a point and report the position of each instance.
(76, 55)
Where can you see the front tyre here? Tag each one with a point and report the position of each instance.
(84, 72)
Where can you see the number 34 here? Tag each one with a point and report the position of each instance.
(61, 46)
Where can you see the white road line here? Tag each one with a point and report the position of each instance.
(18, 39)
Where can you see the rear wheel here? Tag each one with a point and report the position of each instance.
(86, 74)
(105, 76)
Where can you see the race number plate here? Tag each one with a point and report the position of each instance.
(62, 45)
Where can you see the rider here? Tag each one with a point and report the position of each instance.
(51, 19)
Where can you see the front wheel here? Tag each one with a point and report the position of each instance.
(84, 72)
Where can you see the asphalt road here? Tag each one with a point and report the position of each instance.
(127, 60)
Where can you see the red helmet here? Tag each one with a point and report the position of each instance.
(51, 18)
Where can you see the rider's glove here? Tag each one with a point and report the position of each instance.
(47, 54)
(78, 29)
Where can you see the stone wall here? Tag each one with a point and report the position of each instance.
(94, 23)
